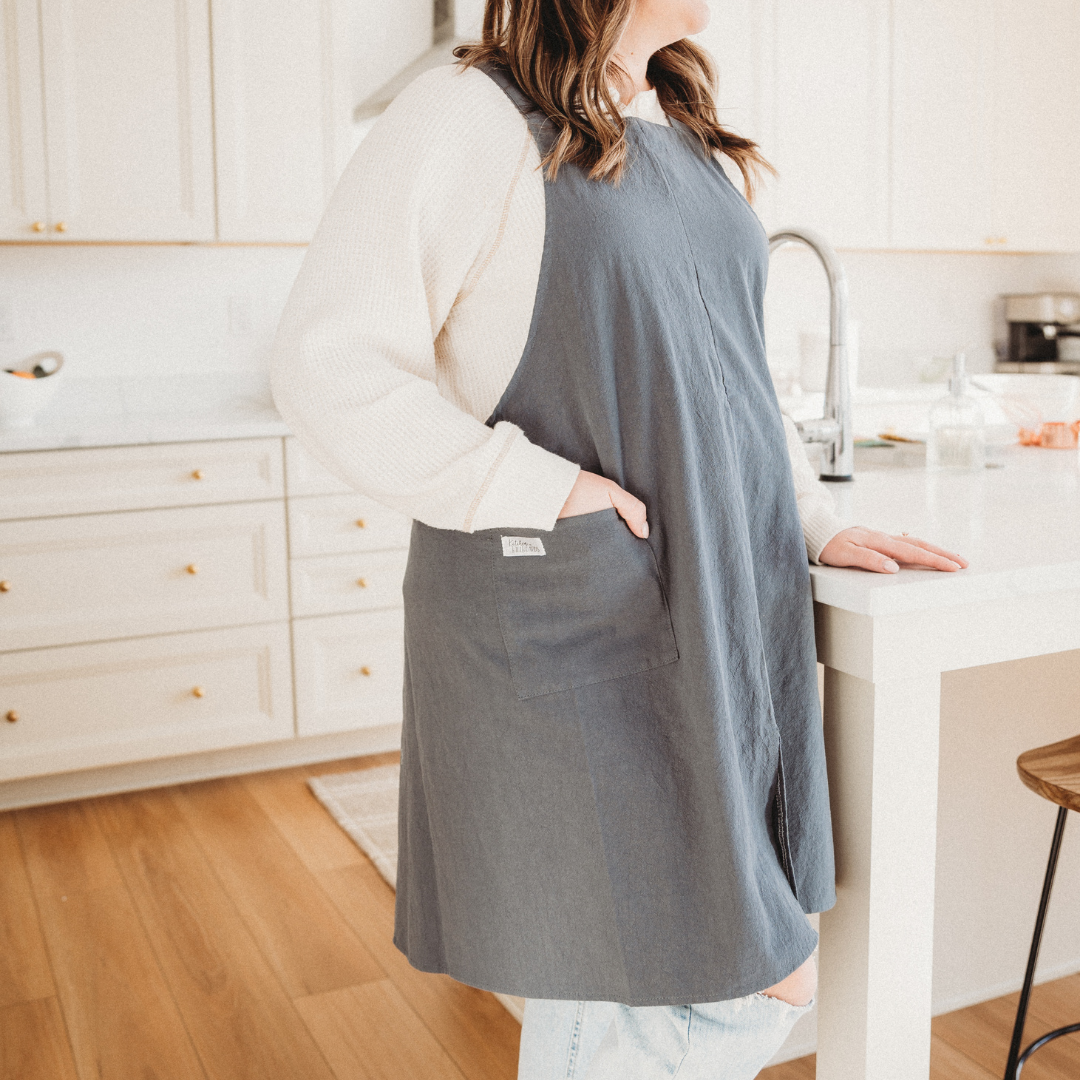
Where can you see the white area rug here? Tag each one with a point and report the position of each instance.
(365, 805)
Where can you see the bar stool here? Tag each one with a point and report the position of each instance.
(1054, 773)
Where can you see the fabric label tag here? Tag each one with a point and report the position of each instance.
(523, 545)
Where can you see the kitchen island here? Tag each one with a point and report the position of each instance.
(885, 642)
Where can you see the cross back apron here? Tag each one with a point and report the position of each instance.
(613, 778)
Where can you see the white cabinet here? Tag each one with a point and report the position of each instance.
(145, 604)
(986, 149)
(102, 576)
(1036, 126)
(942, 155)
(47, 483)
(281, 114)
(335, 524)
(810, 84)
(364, 581)
(349, 671)
(831, 119)
(128, 122)
(23, 206)
(118, 701)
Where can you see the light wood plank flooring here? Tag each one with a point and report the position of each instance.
(229, 930)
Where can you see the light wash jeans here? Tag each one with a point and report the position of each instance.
(600, 1040)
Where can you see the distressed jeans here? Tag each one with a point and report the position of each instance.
(601, 1040)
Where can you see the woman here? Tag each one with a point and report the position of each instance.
(532, 320)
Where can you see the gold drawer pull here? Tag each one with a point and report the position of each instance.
(198, 691)
(361, 523)
(191, 568)
(11, 716)
(197, 474)
(365, 671)
(5, 586)
(61, 226)
(362, 582)
(38, 226)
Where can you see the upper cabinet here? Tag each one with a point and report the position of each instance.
(945, 125)
(128, 121)
(1036, 129)
(136, 120)
(23, 206)
(829, 122)
(942, 147)
(281, 108)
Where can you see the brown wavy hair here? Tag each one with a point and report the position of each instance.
(562, 55)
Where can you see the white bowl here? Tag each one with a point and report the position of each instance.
(1027, 400)
(21, 400)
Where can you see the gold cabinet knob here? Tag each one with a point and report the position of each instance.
(38, 226)
(365, 671)
(362, 582)
(11, 716)
(191, 568)
(61, 226)
(196, 474)
(198, 691)
(361, 523)
(5, 586)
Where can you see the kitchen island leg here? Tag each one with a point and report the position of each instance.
(876, 956)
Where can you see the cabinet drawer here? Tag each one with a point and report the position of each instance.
(54, 482)
(91, 705)
(67, 580)
(334, 583)
(349, 671)
(305, 476)
(332, 524)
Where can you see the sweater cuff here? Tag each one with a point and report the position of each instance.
(820, 525)
(526, 488)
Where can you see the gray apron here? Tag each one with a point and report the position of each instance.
(593, 802)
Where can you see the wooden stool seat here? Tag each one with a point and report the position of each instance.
(1053, 772)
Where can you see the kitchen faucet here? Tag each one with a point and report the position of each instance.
(833, 430)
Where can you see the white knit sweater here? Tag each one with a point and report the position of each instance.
(412, 309)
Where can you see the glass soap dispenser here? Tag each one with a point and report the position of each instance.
(957, 438)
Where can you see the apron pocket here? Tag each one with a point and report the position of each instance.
(590, 608)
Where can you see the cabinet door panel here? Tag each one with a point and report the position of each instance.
(22, 133)
(335, 524)
(127, 94)
(43, 483)
(92, 705)
(305, 476)
(1037, 126)
(831, 104)
(281, 115)
(349, 671)
(153, 571)
(366, 581)
(941, 142)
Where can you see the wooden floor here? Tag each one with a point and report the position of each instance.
(229, 930)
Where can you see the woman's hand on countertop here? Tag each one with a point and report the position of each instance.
(885, 554)
(592, 493)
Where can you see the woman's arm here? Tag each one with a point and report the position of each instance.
(354, 372)
(830, 542)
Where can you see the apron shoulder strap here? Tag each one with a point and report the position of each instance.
(543, 130)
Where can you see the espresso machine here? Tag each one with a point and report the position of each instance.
(1044, 334)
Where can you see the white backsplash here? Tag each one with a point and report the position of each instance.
(126, 310)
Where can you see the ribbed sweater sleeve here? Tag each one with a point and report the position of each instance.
(354, 371)
(817, 511)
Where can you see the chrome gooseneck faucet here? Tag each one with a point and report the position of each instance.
(833, 430)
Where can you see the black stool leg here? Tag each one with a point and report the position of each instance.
(1036, 941)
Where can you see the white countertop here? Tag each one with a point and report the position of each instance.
(1019, 527)
(133, 412)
